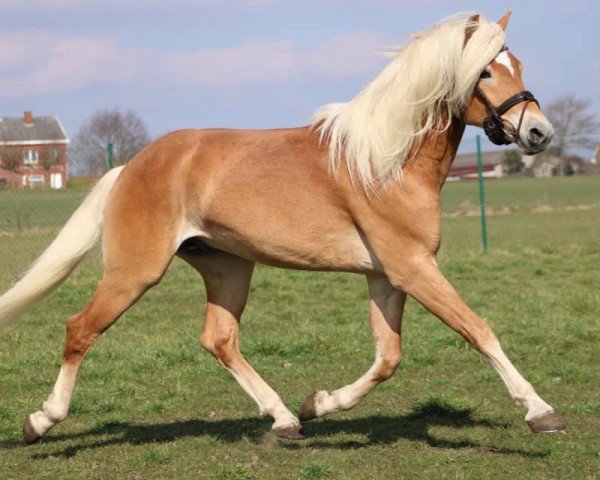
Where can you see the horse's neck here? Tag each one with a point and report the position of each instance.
(432, 162)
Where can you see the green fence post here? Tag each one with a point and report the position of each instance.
(109, 155)
(481, 195)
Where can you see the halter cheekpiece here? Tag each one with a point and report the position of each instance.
(494, 126)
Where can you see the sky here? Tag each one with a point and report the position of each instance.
(255, 63)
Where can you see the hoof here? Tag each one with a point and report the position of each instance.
(548, 423)
(29, 434)
(293, 432)
(308, 409)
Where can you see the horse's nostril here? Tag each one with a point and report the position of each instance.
(534, 133)
(536, 136)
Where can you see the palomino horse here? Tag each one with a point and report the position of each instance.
(357, 191)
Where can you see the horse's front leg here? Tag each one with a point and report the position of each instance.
(421, 278)
(385, 316)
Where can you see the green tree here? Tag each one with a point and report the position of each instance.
(512, 162)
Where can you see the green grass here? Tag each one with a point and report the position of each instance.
(525, 193)
(150, 403)
(27, 209)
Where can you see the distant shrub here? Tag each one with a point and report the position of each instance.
(82, 182)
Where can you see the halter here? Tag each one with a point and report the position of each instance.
(494, 126)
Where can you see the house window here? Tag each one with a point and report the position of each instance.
(52, 158)
(36, 180)
(30, 157)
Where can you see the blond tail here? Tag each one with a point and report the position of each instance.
(76, 238)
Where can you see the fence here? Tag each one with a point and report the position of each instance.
(29, 219)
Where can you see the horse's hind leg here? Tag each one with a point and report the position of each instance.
(385, 316)
(112, 297)
(227, 280)
(129, 272)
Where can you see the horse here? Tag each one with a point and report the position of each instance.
(357, 190)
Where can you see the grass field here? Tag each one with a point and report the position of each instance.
(150, 403)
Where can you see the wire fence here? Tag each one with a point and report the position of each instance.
(29, 219)
(33, 209)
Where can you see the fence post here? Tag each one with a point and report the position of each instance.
(481, 195)
(109, 155)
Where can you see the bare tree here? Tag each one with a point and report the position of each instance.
(10, 159)
(125, 130)
(575, 125)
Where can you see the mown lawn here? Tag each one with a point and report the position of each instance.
(150, 403)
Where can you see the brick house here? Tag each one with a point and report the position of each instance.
(33, 152)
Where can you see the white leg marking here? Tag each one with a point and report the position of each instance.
(385, 316)
(348, 396)
(269, 403)
(519, 388)
(56, 407)
(266, 398)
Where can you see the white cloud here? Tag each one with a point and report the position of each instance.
(37, 5)
(19, 50)
(257, 3)
(250, 63)
(31, 4)
(61, 64)
(42, 63)
(346, 55)
(48, 5)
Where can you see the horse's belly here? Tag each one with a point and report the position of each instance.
(335, 251)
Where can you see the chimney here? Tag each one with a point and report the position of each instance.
(28, 118)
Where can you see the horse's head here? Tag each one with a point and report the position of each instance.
(500, 104)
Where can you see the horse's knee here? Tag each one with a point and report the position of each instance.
(387, 365)
(220, 343)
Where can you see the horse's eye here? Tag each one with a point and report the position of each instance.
(485, 74)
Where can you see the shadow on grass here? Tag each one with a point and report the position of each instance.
(381, 430)
(377, 430)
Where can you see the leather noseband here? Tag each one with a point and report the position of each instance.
(494, 126)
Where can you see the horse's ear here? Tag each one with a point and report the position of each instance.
(471, 27)
(503, 22)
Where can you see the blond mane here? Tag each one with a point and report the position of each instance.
(428, 82)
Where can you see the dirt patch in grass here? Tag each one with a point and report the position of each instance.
(468, 209)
